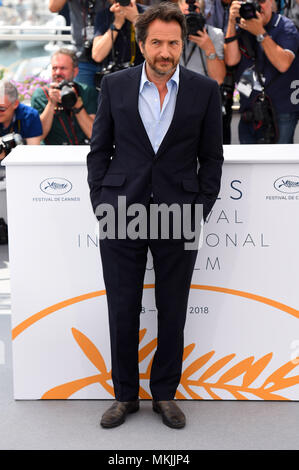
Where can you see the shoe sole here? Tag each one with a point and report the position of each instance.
(109, 426)
(165, 421)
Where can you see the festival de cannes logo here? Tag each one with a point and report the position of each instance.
(287, 184)
(56, 186)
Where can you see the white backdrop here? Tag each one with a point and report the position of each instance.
(242, 329)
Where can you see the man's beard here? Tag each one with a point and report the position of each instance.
(159, 71)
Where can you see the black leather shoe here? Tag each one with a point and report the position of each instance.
(172, 416)
(117, 413)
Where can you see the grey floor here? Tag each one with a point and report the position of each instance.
(74, 424)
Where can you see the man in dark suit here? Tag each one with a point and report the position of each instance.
(154, 124)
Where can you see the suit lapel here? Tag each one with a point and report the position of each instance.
(183, 102)
(133, 97)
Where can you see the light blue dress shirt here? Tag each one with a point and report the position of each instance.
(156, 120)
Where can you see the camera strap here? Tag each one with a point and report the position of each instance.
(72, 130)
(133, 44)
(112, 48)
(186, 60)
(203, 62)
(259, 75)
(251, 51)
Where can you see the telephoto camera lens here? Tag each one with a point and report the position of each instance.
(68, 96)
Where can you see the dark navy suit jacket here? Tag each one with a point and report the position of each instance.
(187, 167)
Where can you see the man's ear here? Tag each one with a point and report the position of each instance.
(76, 71)
(16, 104)
(141, 47)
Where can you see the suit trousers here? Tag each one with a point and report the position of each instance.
(124, 263)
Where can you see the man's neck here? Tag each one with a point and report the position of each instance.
(6, 124)
(269, 20)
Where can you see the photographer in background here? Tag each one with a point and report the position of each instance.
(67, 109)
(203, 53)
(291, 10)
(203, 50)
(114, 45)
(265, 45)
(219, 14)
(82, 16)
(17, 118)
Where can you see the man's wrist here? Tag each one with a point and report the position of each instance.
(209, 51)
(211, 56)
(52, 105)
(232, 23)
(261, 36)
(79, 103)
(78, 106)
(115, 27)
(262, 31)
(78, 110)
(231, 29)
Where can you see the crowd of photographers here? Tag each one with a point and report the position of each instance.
(250, 47)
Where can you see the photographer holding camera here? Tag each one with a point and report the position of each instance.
(114, 44)
(203, 50)
(18, 123)
(82, 16)
(67, 109)
(265, 45)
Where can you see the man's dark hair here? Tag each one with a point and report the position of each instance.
(165, 11)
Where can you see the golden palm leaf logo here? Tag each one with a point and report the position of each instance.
(248, 368)
(216, 380)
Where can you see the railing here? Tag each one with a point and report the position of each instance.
(7, 33)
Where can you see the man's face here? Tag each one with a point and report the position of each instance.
(266, 11)
(63, 69)
(7, 109)
(163, 46)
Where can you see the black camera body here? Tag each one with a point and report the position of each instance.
(227, 91)
(124, 3)
(86, 52)
(195, 21)
(249, 8)
(68, 95)
(10, 141)
(262, 116)
(111, 67)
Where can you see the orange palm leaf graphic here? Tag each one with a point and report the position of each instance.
(250, 370)
(91, 352)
